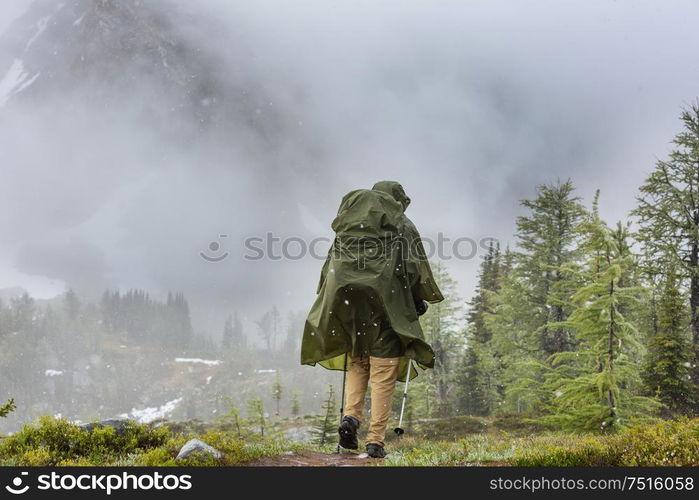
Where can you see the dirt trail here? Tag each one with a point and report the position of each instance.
(308, 458)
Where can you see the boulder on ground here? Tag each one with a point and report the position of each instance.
(195, 447)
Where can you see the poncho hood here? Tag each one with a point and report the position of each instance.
(395, 190)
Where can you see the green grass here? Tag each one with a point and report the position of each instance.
(57, 442)
(670, 443)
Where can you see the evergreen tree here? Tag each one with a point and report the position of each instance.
(277, 390)
(592, 388)
(441, 327)
(227, 342)
(7, 408)
(666, 370)
(295, 321)
(547, 239)
(231, 419)
(236, 334)
(23, 314)
(256, 414)
(268, 325)
(326, 424)
(668, 215)
(533, 300)
(178, 312)
(295, 404)
(479, 388)
(71, 304)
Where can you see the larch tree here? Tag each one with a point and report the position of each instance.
(256, 414)
(594, 387)
(326, 423)
(277, 391)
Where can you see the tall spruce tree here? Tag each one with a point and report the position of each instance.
(668, 215)
(667, 364)
(479, 387)
(533, 300)
(547, 239)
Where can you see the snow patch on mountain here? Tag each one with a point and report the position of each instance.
(147, 415)
(208, 362)
(15, 81)
(40, 28)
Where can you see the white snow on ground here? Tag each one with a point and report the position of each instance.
(208, 379)
(53, 373)
(40, 27)
(208, 362)
(14, 81)
(265, 371)
(148, 415)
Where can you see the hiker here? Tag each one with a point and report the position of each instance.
(374, 284)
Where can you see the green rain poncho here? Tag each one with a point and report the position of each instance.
(375, 272)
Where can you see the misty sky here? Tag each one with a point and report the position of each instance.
(469, 104)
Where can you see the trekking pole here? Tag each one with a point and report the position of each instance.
(399, 430)
(342, 401)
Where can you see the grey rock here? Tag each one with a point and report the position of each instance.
(195, 447)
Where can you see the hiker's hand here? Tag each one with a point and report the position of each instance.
(421, 307)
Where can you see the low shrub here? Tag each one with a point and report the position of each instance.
(50, 441)
(672, 443)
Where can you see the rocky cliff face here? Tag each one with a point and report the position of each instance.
(139, 54)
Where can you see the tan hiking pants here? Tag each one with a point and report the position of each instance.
(382, 373)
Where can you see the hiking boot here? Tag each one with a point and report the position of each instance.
(375, 451)
(348, 433)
